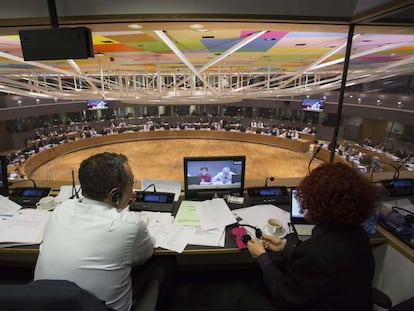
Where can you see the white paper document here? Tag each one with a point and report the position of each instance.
(404, 204)
(259, 214)
(8, 207)
(174, 237)
(163, 185)
(213, 237)
(25, 227)
(214, 214)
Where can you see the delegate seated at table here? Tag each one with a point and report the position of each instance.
(204, 176)
(224, 177)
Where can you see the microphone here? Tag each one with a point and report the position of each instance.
(74, 191)
(269, 178)
(397, 171)
(151, 185)
(24, 180)
(318, 149)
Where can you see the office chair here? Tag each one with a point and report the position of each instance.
(64, 295)
(43, 295)
(384, 301)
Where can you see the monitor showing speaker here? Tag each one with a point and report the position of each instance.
(56, 43)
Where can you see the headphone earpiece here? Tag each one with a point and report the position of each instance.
(257, 231)
(408, 215)
(116, 196)
(246, 238)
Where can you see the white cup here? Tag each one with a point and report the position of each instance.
(274, 226)
(46, 203)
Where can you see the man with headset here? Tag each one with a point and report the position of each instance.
(94, 240)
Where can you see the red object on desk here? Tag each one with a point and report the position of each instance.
(237, 233)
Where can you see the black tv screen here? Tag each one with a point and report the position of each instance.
(94, 104)
(309, 104)
(4, 185)
(210, 177)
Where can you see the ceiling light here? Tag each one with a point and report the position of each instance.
(196, 26)
(135, 26)
(202, 30)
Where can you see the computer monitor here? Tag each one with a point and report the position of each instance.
(96, 104)
(211, 177)
(309, 104)
(4, 184)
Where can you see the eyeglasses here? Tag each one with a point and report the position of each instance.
(134, 181)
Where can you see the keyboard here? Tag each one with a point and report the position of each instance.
(151, 207)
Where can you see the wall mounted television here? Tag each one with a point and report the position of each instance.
(210, 177)
(4, 184)
(95, 104)
(309, 104)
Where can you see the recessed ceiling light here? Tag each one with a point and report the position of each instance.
(196, 26)
(135, 26)
(202, 30)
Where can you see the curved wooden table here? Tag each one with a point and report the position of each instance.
(38, 159)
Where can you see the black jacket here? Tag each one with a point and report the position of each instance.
(333, 270)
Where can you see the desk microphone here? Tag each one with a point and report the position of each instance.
(151, 185)
(74, 191)
(318, 149)
(24, 180)
(269, 178)
(397, 170)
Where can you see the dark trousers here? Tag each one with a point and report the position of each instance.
(161, 269)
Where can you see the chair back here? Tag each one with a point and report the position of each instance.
(43, 295)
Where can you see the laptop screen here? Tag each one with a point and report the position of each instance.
(302, 226)
(295, 206)
(296, 217)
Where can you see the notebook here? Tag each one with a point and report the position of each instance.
(298, 220)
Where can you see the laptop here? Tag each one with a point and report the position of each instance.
(298, 220)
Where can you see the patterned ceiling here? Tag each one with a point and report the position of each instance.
(288, 58)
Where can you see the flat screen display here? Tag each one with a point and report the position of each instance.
(154, 197)
(94, 104)
(209, 177)
(309, 104)
(4, 185)
(295, 209)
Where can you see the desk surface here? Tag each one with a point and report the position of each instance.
(229, 247)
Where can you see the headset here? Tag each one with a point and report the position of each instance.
(246, 237)
(116, 193)
(408, 217)
(116, 196)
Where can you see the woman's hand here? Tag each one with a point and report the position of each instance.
(273, 243)
(255, 248)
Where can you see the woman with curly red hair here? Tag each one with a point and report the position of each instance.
(333, 269)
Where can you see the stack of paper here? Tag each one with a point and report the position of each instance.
(26, 227)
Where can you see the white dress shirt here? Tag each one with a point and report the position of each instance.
(92, 244)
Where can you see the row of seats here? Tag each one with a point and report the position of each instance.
(63, 295)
